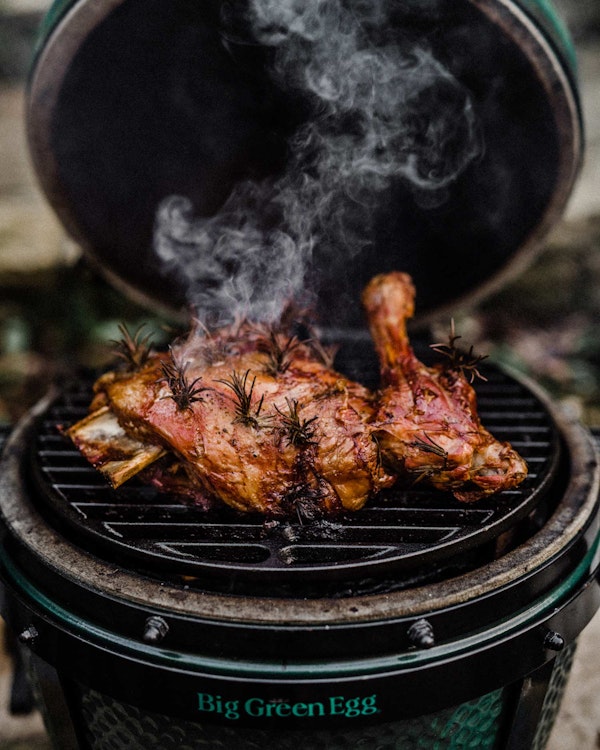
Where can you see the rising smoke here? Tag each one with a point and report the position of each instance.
(384, 110)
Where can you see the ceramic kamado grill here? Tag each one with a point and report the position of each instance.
(417, 621)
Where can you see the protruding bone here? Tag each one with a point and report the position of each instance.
(106, 445)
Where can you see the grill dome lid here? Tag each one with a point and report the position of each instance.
(439, 138)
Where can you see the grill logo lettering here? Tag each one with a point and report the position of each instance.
(259, 708)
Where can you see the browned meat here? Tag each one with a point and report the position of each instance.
(427, 423)
(259, 420)
(265, 423)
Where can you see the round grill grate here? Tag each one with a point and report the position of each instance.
(399, 530)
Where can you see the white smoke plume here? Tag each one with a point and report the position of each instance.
(383, 110)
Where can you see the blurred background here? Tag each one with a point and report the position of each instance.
(56, 313)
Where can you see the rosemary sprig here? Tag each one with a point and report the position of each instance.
(183, 391)
(422, 473)
(278, 354)
(246, 413)
(299, 432)
(134, 349)
(378, 456)
(325, 353)
(430, 446)
(459, 360)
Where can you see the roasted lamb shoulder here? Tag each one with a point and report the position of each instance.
(255, 418)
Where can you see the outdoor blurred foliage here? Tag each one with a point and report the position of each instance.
(59, 325)
(544, 323)
(547, 321)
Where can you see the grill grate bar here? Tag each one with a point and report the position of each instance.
(500, 389)
(535, 445)
(253, 554)
(389, 516)
(515, 429)
(324, 553)
(53, 438)
(492, 417)
(487, 402)
(183, 532)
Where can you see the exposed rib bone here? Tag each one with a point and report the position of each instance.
(105, 444)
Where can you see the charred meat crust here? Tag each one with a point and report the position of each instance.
(261, 421)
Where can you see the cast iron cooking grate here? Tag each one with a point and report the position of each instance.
(399, 530)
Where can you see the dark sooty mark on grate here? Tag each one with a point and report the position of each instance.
(400, 530)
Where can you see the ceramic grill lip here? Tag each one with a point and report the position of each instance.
(402, 536)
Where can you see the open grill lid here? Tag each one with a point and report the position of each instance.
(132, 101)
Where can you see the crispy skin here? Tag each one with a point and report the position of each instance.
(307, 440)
(427, 423)
(256, 463)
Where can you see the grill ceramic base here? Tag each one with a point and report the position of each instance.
(113, 726)
(488, 722)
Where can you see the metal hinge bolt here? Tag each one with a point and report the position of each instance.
(554, 641)
(421, 634)
(155, 629)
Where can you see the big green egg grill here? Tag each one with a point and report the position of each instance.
(417, 622)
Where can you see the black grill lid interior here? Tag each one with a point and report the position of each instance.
(157, 100)
(398, 532)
